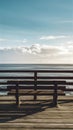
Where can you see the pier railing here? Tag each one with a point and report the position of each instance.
(36, 82)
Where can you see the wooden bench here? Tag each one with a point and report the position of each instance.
(50, 88)
(35, 85)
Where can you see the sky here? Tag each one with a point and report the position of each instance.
(36, 31)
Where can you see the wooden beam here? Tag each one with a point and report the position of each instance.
(35, 84)
(55, 95)
(17, 95)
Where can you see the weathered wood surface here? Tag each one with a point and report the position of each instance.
(36, 115)
(13, 79)
(35, 92)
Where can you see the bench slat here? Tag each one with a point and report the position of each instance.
(9, 88)
(38, 82)
(32, 92)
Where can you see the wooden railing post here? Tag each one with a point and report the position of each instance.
(35, 85)
(17, 95)
(55, 95)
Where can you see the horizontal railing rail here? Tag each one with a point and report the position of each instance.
(38, 77)
(38, 71)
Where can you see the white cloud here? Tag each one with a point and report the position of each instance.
(70, 42)
(52, 37)
(41, 50)
(13, 40)
(20, 41)
(3, 40)
(37, 54)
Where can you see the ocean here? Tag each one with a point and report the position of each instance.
(36, 67)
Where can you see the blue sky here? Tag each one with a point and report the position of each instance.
(28, 23)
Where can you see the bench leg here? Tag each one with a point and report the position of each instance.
(55, 96)
(17, 96)
(35, 85)
(35, 97)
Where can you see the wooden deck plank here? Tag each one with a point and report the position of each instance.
(38, 115)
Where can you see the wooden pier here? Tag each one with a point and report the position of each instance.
(38, 115)
(36, 101)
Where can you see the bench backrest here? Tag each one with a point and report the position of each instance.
(36, 79)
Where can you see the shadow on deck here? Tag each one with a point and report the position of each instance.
(10, 112)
